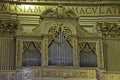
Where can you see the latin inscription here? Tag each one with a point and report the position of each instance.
(107, 10)
(80, 10)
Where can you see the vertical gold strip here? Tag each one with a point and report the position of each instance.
(17, 52)
(45, 55)
(3, 53)
(5, 57)
(8, 65)
(7, 53)
(0, 54)
(75, 53)
(101, 52)
(11, 55)
(12, 51)
(6, 41)
(97, 53)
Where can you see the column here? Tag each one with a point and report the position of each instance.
(45, 50)
(75, 51)
(18, 60)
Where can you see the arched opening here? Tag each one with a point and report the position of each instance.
(60, 51)
(31, 57)
(87, 57)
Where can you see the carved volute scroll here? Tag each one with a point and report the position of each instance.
(108, 29)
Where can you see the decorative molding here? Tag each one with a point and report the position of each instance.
(66, 2)
(24, 74)
(53, 31)
(75, 52)
(108, 29)
(37, 44)
(45, 50)
(59, 12)
(64, 73)
(101, 54)
(9, 27)
(81, 8)
(8, 75)
(92, 46)
(58, 73)
(18, 46)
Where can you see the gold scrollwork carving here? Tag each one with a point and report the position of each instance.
(37, 44)
(59, 12)
(53, 31)
(108, 29)
(92, 46)
(9, 26)
(64, 73)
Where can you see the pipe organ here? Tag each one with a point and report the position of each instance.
(7, 50)
(59, 41)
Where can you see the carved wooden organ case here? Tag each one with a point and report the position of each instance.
(58, 44)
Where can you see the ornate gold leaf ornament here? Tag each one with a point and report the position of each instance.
(9, 26)
(108, 29)
(55, 29)
(90, 44)
(59, 12)
(26, 45)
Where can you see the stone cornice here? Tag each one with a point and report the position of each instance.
(67, 2)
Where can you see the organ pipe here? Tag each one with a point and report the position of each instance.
(7, 53)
